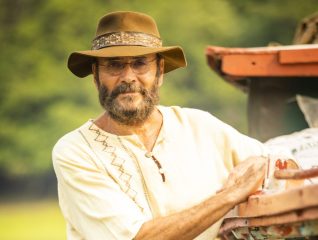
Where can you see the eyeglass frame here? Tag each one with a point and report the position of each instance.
(130, 62)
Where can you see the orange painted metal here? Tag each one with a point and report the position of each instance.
(297, 56)
(287, 61)
(262, 65)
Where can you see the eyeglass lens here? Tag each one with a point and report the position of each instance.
(138, 65)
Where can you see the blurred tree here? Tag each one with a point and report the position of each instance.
(41, 100)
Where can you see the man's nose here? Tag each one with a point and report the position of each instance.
(128, 74)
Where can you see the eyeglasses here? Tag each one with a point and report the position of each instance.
(116, 66)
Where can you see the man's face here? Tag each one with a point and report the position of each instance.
(129, 87)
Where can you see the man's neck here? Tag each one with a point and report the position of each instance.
(146, 132)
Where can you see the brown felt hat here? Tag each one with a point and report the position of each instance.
(125, 34)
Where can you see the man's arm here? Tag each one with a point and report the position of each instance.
(190, 223)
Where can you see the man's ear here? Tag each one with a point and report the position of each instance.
(95, 74)
(161, 71)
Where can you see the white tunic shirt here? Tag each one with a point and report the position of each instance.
(108, 186)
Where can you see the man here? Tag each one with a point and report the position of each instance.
(143, 171)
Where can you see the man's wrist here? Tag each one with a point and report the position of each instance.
(230, 196)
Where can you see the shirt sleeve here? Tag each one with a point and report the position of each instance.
(233, 146)
(242, 146)
(90, 200)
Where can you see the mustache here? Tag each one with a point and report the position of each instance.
(128, 88)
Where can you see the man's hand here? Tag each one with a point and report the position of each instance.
(246, 178)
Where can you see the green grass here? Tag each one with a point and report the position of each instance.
(38, 220)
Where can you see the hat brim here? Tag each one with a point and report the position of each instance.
(80, 62)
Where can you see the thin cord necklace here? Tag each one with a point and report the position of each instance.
(148, 155)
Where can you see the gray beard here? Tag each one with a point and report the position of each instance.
(124, 115)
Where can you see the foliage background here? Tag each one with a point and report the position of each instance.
(41, 100)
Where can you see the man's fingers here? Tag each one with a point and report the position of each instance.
(250, 170)
(248, 180)
(255, 176)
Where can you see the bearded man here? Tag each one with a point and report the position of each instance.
(142, 170)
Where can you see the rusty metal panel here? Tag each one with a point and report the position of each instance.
(299, 215)
(292, 230)
(298, 222)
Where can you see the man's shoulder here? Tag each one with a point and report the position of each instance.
(72, 153)
(70, 140)
(189, 114)
(196, 119)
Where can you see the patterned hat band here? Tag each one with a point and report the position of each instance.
(126, 39)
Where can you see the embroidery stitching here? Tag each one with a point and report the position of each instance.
(118, 163)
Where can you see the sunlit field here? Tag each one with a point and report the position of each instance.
(39, 220)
